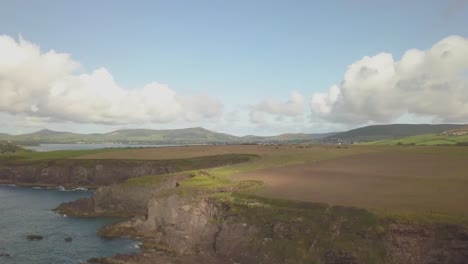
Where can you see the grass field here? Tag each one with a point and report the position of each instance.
(52, 155)
(424, 140)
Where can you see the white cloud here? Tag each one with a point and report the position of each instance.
(50, 85)
(293, 108)
(427, 83)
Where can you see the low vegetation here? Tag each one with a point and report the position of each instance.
(309, 224)
(426, 140)
(28, 155)
(7, 148)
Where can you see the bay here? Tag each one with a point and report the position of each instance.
(25, 211)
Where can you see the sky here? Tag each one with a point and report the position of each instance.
(240, 67)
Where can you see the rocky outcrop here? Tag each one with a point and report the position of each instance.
(419, 243)
(34, 237)
(160, 258)
(125, 200)
(71, 173)
(188, 225)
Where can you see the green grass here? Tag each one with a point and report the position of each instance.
(305, 224)
(424, 217)
(150, 179)
(423, 140)
(51, 155)
(200, 178)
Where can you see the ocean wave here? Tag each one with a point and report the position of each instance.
(136, 245)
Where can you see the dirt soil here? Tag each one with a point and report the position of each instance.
(402, 181)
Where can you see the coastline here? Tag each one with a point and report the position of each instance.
(180, 211)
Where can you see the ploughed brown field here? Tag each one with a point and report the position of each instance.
(395, 178)
(393, 181)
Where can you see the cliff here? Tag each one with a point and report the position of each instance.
(178, 225)
(95, 173)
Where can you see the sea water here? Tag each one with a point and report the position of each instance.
(76, 146)
(26, 211)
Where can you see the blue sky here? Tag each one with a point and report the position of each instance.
(238, 52)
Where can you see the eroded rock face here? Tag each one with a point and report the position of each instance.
(160, 258)
(92, 173)
(189, 225)
(426, 244)
(184, 224)
(125, 200)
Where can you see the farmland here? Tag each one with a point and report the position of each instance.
(414, 180)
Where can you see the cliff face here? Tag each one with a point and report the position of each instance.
(95, 173)
(190, 225)
(416, 243)
(125, 200)
(80, 173)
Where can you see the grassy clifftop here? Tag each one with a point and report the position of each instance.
(410, 182)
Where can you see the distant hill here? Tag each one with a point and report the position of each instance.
(4, 135)
(296, 137)
(199, 135)
(49, 136)
(385, 132)
(440, 139)
(186, 135)
(196, 135)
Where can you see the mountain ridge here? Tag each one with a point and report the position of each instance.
(390, 131)
(194, 135)
(200, 135)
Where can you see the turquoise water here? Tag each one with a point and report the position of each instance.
(26, 211)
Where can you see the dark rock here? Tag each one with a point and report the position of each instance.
(68, 239)
(340, 257)
(282, 230)
(34, 237)
(415, 244)
(5, 255)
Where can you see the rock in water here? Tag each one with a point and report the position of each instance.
(68, 239)
(34, 237)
